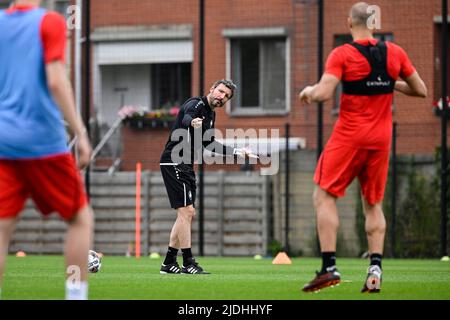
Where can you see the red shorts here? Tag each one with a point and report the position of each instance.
(339, 165)
(54, 183)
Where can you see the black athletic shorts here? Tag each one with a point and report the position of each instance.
(180, 183)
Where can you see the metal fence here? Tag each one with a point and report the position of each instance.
(236, 216)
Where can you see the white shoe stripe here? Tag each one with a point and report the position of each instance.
(184, 194)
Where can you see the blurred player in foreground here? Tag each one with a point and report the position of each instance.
(35, 96)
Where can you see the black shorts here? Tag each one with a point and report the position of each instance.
(180, 183)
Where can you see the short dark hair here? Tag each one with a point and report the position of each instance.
(227, 83)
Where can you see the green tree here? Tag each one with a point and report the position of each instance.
(418, 218)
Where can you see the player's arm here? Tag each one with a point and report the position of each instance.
(321, 91)
(324, 90)
(412, 86)
(53, 36)
(61, 91)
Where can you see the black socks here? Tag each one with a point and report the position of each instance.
(328, 260)
(171, 256)
(375, 259)
(187, 255)
(172, 253)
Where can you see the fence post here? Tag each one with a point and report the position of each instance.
(146, 220)
(138, 230)
(287, 191)
(265, 213)
(444, 155)
(220, 212)
(393, 187)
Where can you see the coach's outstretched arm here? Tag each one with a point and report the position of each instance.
(209, 141)
(322, 91)
(412, 86)
(215, 146)
(62, 93)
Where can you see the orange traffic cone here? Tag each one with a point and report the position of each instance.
(282, 258)
(21, 254)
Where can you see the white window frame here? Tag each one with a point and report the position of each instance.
(271, 32)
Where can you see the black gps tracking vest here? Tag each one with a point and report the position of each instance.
(378, 81)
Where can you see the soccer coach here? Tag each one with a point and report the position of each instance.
(179, 175)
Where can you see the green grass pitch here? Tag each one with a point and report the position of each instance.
(42, 277)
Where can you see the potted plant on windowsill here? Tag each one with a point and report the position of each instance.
(437, 107)
(140, 119)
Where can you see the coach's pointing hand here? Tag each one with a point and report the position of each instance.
(197, 122)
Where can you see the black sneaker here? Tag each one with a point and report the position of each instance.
(170, 268)
(373, 280)
(331, 278)
(193, 268)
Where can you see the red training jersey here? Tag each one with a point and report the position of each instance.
(365, 121)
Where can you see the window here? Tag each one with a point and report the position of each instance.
(171, 84)
(152, 86)
(61, 6)
(57, 5)
(148, 86)
(4, 4)
(437, 94)
(341, 40)
(259, 68)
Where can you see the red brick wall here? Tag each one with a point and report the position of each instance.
(410, 22)
(143, 146)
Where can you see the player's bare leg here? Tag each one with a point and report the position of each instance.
(376, 230)
(375, 227)
(6, 229)
(327, 228)
(181, 234)
(327, 219)
(180, 238)
(181, 231)
(78, 242)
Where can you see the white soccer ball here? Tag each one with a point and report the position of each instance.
(94, 262)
